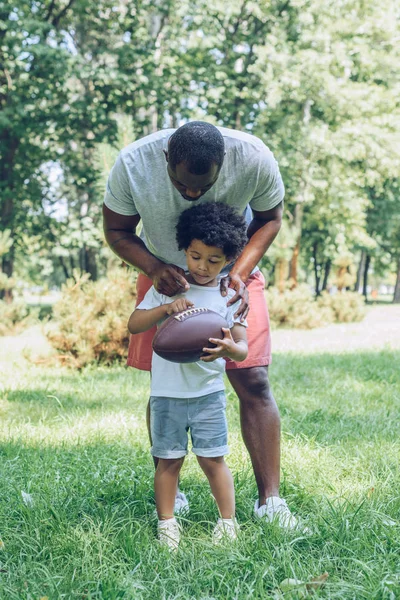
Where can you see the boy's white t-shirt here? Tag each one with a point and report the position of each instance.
(190, 380)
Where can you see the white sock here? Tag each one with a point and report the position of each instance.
(229, 521)
(162, 521)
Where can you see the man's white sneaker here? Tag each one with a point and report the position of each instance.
(181, 506)
(169, 533)
(275, 510)
(225, 529)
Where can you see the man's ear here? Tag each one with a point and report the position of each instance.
(166, 154)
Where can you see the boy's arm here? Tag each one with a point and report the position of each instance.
(233, 345)
(143, 319)
(239, 336)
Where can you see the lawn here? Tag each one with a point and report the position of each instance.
(76, 502)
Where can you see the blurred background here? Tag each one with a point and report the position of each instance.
(317, 81)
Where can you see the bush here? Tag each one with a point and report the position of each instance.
(298, 308)
(347, 307)
(16, 316)
(90, 321)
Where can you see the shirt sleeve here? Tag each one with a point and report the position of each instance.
(270, 190)
(118, 196)
(152, 299)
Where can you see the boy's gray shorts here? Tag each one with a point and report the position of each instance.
(172, 418)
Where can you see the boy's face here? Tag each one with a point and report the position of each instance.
(205, 262)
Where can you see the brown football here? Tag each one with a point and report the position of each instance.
(182, 337)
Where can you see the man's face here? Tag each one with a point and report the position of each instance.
(191, 187)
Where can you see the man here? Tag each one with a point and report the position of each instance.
(153, 181)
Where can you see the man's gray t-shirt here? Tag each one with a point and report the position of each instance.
(139, 185)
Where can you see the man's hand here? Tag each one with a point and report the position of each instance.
(179, 305)
(225, 347)
(236, 283)
(169, 279)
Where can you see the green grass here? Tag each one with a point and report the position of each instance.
(77, 443)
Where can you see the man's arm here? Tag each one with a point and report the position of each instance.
(262, 231)
(120, 234)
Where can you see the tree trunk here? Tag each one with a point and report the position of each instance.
(298, 219)
(8, 200)
(326, 274)
(281, 274)
(64, 268)
(7, 268)
(87, 261)
(360, 270)
(396, 296)
(238, 123)
(293, 270)
(316, 273)
(365, 277)
(91, 263)
(175, 121)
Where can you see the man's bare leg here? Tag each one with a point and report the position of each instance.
(260, 424)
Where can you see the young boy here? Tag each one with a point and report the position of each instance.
(191, 396)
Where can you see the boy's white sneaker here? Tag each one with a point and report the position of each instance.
(181, 505)
(225, 529)
(276, 510)
(169, 533)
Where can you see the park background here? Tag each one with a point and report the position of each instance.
(318, 82)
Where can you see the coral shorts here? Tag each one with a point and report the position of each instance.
(258, 330)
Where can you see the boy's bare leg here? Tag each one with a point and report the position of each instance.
(221, 483)
(155, 459)
(165, 486)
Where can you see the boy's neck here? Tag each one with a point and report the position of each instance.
(213, 283)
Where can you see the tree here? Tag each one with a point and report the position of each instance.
(329, 86)
(34, 69)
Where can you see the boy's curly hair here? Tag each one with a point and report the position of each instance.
(214, 224)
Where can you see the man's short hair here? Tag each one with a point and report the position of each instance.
(214, 224)
(199, 145)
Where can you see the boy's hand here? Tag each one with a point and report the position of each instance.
(178, 306)
(225, 347)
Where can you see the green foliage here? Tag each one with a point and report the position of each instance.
(318, 83)
(347, 307)
(6, 242)
(299, 309)
(6, 283)
(296, 308)
(16, 316)
(90, 320)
